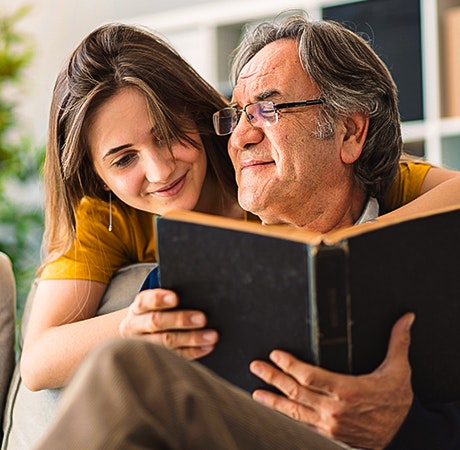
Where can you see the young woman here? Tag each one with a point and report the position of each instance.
(131, 136)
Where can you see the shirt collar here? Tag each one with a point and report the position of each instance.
(371, 211)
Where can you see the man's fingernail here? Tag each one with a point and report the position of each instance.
(197, 319)
(169, 299)
(410, 322)
(209, 336)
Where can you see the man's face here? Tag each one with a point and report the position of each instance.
(284, 173)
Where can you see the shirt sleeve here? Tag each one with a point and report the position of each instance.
(406, 185)
(97, 252)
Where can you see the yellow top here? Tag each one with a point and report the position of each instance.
(406, 186)
(97, 252)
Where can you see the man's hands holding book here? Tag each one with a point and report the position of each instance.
(153, 316)
(363, 411)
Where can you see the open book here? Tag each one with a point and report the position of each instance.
(329, 299)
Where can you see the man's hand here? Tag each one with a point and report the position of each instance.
(363, 411)
(153, 316)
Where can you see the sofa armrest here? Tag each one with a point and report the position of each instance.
(28, 414)
(7, 326)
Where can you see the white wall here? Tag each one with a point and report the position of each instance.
(57, 26)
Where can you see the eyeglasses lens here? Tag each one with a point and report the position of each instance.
(261, 114)
(225, 121)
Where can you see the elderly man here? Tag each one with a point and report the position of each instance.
(315, 139)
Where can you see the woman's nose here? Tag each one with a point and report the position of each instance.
(159, 165)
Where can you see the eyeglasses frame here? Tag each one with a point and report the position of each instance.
(276, 107)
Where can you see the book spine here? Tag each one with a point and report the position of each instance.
(330, 304)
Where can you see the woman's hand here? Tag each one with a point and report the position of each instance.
(153, 316)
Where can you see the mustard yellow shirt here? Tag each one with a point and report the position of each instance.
(97, 252)
(406, 186)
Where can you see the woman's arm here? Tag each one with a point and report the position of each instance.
(440, 188)
(436, 177)
(62, 329)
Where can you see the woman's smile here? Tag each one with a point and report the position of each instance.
(171, 189)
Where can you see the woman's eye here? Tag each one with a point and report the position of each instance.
(124, 161)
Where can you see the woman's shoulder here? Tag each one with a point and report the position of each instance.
(95, 206)
(410, 169)
(125, 221)
(407, 184)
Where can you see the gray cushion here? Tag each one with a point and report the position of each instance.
(28, 414)
(7, 326)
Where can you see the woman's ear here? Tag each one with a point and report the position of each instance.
(357, 126)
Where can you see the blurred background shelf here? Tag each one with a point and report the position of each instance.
(411, 36)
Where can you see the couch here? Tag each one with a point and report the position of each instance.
(7, 325)
(28, 414)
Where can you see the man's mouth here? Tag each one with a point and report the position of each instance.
(254, 163)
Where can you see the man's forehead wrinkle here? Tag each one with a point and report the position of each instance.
(260, 78)
(261, 66)
(257, 89)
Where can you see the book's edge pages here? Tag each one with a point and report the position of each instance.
(334, 237)
(278, 231)
(296, 234)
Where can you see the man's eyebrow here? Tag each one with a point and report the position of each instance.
(114, 150)
(267, 94)
(260, 97)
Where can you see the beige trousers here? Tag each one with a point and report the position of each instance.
(130, 394)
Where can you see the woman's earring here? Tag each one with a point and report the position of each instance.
(110, 211)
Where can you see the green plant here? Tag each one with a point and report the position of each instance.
(21, 222)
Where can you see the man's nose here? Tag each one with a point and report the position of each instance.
(245, 134)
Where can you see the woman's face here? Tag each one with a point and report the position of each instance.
(135, 165)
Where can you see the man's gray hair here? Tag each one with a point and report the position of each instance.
(351, 78)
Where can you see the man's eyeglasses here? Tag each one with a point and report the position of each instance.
(259, 114)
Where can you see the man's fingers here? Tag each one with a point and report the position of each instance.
(398, 347)
(286, 406)
(312, 377)
(157, 321)
(184, 339)
(153, 299)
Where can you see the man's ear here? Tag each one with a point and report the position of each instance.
(357, 126)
